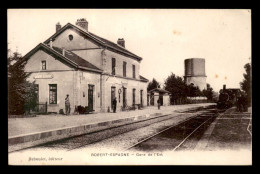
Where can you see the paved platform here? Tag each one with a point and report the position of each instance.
(231, 130)
(26, 132)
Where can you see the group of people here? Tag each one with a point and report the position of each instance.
(241, 104)
(67, 105)
(114, 104)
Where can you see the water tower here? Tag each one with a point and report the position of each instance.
(195, 72)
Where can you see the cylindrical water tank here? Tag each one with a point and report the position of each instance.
(195, 67)
(187, 68)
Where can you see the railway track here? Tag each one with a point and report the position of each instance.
(167, 127)
(174, 137)
(83, 141)
(131, 139)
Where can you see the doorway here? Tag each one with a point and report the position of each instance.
(141, 97)
(133, 96)
(124, 98)
(113, 94)
(152, 99)
(90, 97)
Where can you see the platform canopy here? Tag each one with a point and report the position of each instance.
(159, 90)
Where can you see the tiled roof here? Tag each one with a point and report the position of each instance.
(159, 90)
(69, 57)
(100, 40)
(76, 59)
(114, 45)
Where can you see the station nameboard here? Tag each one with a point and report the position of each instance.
(43, 76)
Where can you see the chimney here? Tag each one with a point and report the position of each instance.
(58, 26)
(83, 23)
(121, 42)
(51, 43)
(224, 87)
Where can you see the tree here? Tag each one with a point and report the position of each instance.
(31, 97)
(16, 84)
(177, 87)
(246, 83)
(193, 91)
(18, 88)
(153, 84)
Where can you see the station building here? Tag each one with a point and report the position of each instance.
(91, 69)
(158, 93)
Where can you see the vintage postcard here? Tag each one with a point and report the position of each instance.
(129, 87)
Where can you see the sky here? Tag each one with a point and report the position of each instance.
(164, 38)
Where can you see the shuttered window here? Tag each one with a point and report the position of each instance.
(124, 69)
(43, 65)
(134, 71)
(53, 93)
(113, 66)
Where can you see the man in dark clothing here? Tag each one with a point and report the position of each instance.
(114, 104)
(159, 104)
(240, 104)
(244, 103)
(67, 105)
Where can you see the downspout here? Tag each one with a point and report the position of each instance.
(101, 91)
(103, 54)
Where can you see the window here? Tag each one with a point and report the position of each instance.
(70, 37)
(133, 96)
(124, 69)
(53, 93)
(113, 66)
(43, 65)
(134, 71)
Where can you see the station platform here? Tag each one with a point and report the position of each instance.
(27, 132)
(231, 131)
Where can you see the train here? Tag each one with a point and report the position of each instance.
(228, 98)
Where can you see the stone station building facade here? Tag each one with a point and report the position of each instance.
(91, 69)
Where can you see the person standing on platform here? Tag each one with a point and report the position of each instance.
(67, 105)
(244, 103)
(114, 105)
(240, 103)
(159, 104)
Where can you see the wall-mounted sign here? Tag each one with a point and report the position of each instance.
(124, 83)
(43, 76)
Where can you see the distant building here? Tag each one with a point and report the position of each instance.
(158, 93)
(195, 72)
(91, 69)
